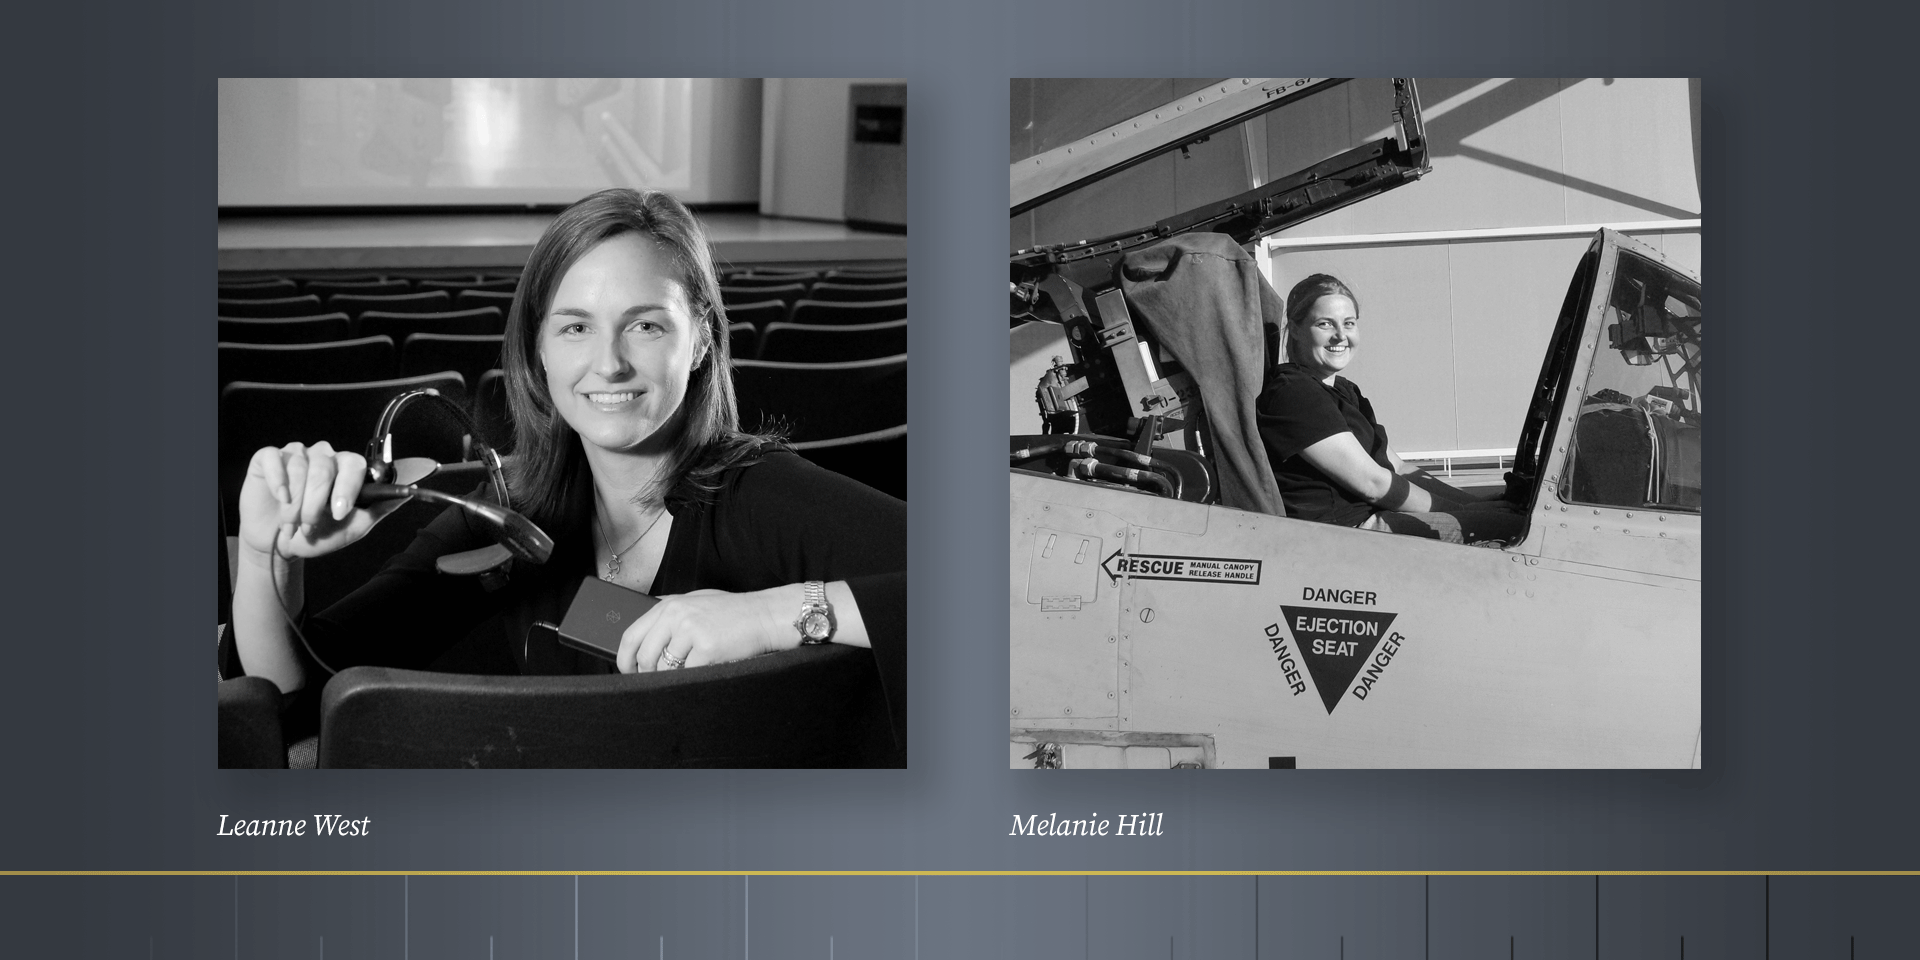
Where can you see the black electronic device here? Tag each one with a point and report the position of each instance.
(600, 614)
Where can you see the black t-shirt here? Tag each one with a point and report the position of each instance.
(1296, 411)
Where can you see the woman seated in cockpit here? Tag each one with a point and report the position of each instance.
(1330, 456)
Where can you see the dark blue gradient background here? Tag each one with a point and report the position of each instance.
(1809, 660)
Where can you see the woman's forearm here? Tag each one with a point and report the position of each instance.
(1403, 496)
(1443, 493)
(261, 634)
(1341, 458)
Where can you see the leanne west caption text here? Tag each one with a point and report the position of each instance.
(1121, 825)
(324, 825)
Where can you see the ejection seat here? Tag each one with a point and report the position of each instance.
(1153, 349)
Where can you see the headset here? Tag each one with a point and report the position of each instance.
(515, 537)
(388, 479)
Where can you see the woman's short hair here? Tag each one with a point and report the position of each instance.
(548, 469)
(1301, 299)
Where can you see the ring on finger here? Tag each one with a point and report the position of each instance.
(672, 662)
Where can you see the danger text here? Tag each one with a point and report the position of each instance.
(1330, 595)
(1378, 666)
(1289, 666)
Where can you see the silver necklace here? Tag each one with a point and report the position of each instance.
(613, 559)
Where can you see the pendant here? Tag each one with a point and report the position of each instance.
(613, 568)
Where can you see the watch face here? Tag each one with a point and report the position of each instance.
(815, 626)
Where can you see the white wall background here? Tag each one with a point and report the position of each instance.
(803, 158)
(726, 140)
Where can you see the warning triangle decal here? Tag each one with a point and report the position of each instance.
(1334, 644)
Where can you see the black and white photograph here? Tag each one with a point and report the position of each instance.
(562, 422)
(1355, 423)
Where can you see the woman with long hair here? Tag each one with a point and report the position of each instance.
(627, 450)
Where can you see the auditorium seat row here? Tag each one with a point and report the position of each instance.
(359, 360)
(789, 292)
(356, 304)
(764, 314)
(855, 410)
(271, 288)
(373, 357)
(757, 305)
(339, 326)
(809, 343)
(326, 327)
(767, 276)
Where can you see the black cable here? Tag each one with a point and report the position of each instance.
(514, 532)
(286, 611)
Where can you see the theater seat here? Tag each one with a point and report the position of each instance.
(768, 277)
(877, 459)
(885, 275)
(490, 410)
(760, 313)
(804, 343)
(354, 304)
(822, 401)
(255, 415)
(786, 293)
(857, 292)
(816, 706)
(307, 306)
(821, 313)
(474, 299)
(365, 288)
(400, 326)
(320, 329)
(431, 352)
(273, 288)
(743, 341)
(344, 361)
(249, 724)
(454, 286)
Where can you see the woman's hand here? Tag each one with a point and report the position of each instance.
(298, 501)
(709, 626)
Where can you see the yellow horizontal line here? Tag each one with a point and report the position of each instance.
(959, 873)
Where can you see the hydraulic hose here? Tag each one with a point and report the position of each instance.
(1037, 450)
(1089, 468)
(1089, 448)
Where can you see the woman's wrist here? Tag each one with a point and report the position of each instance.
(270, 561)
(781, 605)
(274, 571)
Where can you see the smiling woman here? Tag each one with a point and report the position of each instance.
(627, 451)
(617, 347)
(1329, 454)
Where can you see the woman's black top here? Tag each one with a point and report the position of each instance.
(778, 521)
(1295, 411)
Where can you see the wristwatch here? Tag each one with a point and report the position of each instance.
(815, 622)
